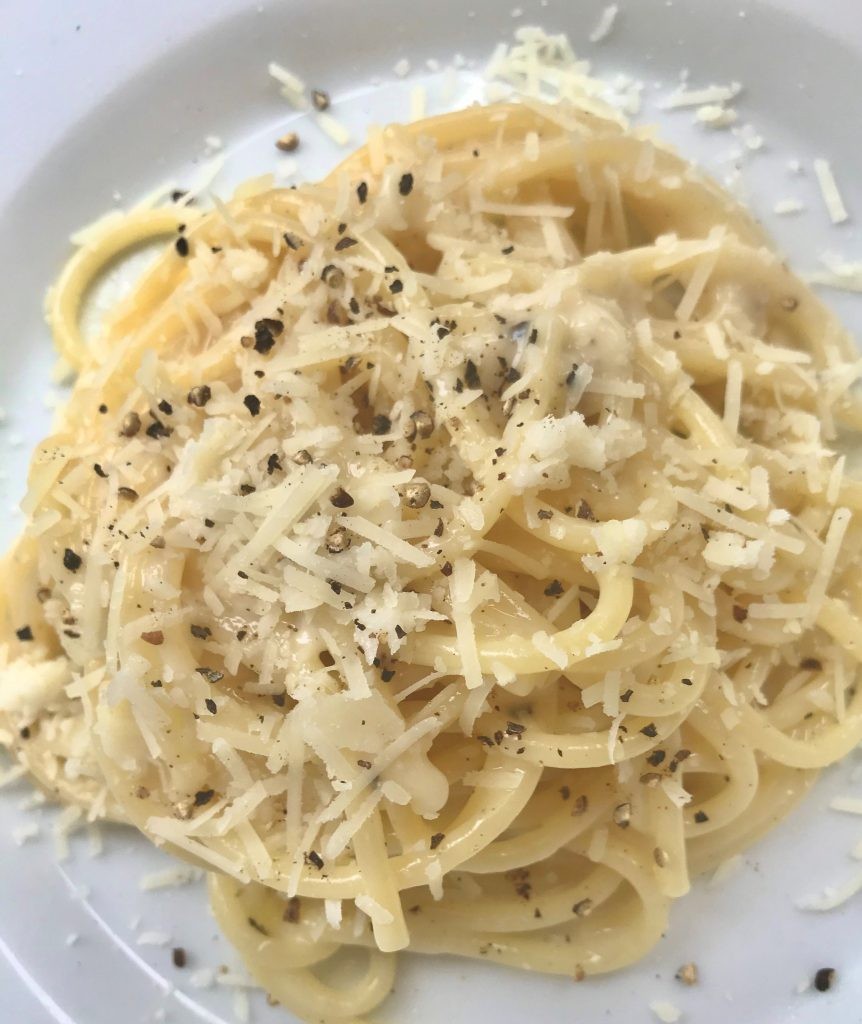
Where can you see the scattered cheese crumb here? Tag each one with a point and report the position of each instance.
(545, 645)
(831, 896)
(402, 67)
(241, 1006)
(847, 804)
(829, 190)
(666, 1012)
(169, 878)
(605, 24)
(332, 910)
(786, 206)
(334, 129)
(841, 274)
(716, 115)
(285, 77)
(711, 94)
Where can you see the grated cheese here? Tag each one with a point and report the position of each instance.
(831, 897)
(844, 275)
(733, 395)
(332, 911)
(731, 551)
(533, 210)
(613, 738)
(336, 131)
(756, 531)
(787, 206)
(461, 589)
(173, 831)
(711, 94)
(543, 643)
(402, 551)
(847, 804)
(434, 877)
(605, 24)
(675, 792)
(836, 478)
(169, 878)
(829, 191)
(715, 115)
(664, 1011)
(286, 78)
(826, 564)
(350, 665)
(378, 913)
(241, 1006)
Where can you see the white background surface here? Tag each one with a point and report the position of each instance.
(104, 96)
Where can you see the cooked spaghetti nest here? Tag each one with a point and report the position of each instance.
(454, 555)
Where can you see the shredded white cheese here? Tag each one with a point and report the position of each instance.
(715, 115)
(831, 896)
(710, 95)
(169, 878)
(787, 206)
(847, 804)
(336, 131)
(829, 190)
(605, 24)
(664, 1011)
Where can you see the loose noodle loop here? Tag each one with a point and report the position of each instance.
(448, 563)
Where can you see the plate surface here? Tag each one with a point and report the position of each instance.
(102, 102)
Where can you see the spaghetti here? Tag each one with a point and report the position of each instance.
(454, 555)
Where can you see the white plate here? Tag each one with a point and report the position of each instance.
(120, 97)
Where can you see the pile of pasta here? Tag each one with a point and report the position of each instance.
(455, 555)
